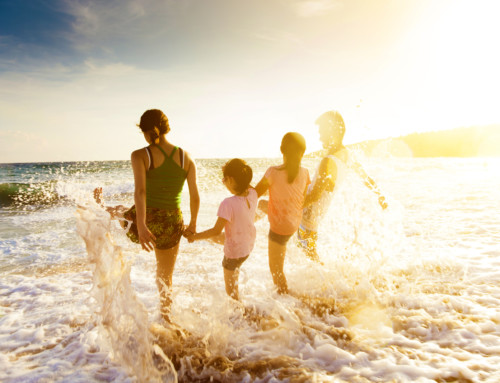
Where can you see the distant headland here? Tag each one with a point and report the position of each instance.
(461, 142)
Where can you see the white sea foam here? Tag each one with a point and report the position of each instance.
(407, 294)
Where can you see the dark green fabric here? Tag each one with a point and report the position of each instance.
(164, 183)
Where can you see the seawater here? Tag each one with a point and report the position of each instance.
(411, 293)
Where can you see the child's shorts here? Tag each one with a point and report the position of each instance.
(279, 238)
(166, 225)
(307, 239)
(233, 263)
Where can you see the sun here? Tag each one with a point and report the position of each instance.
(465, 59)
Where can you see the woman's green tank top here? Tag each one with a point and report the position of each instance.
(164, 183)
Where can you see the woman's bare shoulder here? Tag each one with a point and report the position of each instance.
(139, 153)
(188, 158)
(189, 162)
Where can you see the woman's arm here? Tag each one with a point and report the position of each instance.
(194, 196)
(213, 232)
(327, 175)
(146, 238)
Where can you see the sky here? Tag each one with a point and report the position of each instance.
(233, 76)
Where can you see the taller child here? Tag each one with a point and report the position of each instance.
(287, 184)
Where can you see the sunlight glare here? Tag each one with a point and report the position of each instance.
(465, 58)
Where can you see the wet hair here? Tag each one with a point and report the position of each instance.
(155, 122)
(333, 119)
(293, 146)
(240, 171)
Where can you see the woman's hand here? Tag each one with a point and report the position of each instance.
(189, 233)
(146, 238)
(189, 230)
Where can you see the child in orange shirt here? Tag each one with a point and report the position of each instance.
(287, 184)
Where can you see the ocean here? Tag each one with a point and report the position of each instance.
(406, 294)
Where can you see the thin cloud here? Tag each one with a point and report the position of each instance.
(4, 40)
(117, 18)
(278, 37)
(107, 69)
(312, 8)
(16, 136)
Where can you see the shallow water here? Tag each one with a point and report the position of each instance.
(406, 294)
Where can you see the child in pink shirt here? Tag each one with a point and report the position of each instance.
(287, 184)
(236, 216)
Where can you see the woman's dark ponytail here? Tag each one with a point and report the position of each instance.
(155, 122)
(155, 135)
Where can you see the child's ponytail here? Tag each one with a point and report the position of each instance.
(293, 147)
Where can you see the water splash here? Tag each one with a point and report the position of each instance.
(120, 314)
(413, 303)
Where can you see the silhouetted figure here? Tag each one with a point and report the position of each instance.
(319, 195)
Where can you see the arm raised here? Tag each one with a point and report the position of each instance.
(370, 184)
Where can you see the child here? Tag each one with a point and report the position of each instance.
(287, 184)
(328, 175)
(236, 215)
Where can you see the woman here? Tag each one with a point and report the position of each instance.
(160, 171)
(331, 132)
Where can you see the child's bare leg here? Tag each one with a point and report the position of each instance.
(263, 205)
(98, 195)
(231, 281)
(114, 211)
(276, 263)
(261, 209)
(165, 262)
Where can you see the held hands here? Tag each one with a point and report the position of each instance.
(191, 237)
(189, 233)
